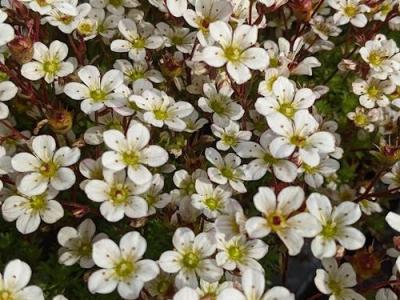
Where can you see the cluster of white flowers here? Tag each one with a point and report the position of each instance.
(202, 115)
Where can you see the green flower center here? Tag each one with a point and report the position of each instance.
(235, 253)
(160, 114)
(190, 260)
(227, 172)
(217, 104)
(131, 158)
(114, 125)
(138, 43)
(3, 76)
(189, 187)
(177, 40)
(232, 53)
(85, 250)
(329, 230)
(151, 199)
(308, 169)
(287, 109)
(269, 159)
(163, 286)
(212, 203)
(124, 269)
(373, 91)
(273, 62)
(230, 140)
(48, 169)
(37, 203)
(335, 287)
(119, 194)
(6, 295)
(98, 95)
(135, 74)
(116, 3)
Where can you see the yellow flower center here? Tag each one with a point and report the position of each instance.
(373, 91)
(212, 203)
(138, 43)
(329, 230)
(232, 53)
(48, 169)
(236, 253)
(98, 95)
(51, 66)
(287, 109)
(335, 287)
(160, 114)
(131, 158)
(350, 10)
(230, 140)
(124, 269)
(375, 58)
(190, 260)
(298, 141)
(227, 172)
(361, 120)
(6, 295)
(119, 194)
(37, 203)
(277, 221)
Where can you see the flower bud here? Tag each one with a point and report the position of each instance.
(21, 49)
(302, 9)
(60, 121)
(366, 263)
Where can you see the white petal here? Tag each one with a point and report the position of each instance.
(105, 253)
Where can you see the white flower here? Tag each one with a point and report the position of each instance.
(211, 289)
(49, 62)
(211, 201)
(154, 196)
(392, 178)
(337, 281)
(115, 7)
(45, 166)
(239, 253)
(235, 50)
(369, 207)
(283, 169)
(186, 293)
(67, 15)
(6, 30)
(95, 91)
(373, 92)
(349, 11)
(8, 90)
(230, 136)
(385, 294)
(285, 98)
(335, 225)
(253, 286)
(278, 217)
(160, 109)
(206, 12)
(138, 38)
(5, 164)
(314, 176)
(382, 57)
(364, 119)
(122, 266)
(301, 133)
(29, 210)
(77, 244)
(14, 281)
(179, 37)
(138, 71)
(118, 195)
(226, 170)
(219, 103)
(191, 258)
(133, 152)
(94, 135)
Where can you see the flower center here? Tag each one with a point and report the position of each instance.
(51, 66)
(138, 43)
(361, 119)
(235, 253)
(119, 194)
(298, 141)
(269, 159)
(308, 169)
(37, 203)
(276, 221)
(350, 10)
(160, 114)
(204, 24)
(3, 76)
(329, 230)
(98, 95)
(177, 40)
(116, 3)
(227, 172)
(375, 58)
(232, 53)
(230, 140)
(273, 63)
(6, 295)
(65, 19)
(287, 109)
(217, 104)
(131, 158)
(151, 199)
(124, 269)
(212, 203)
(335, 287)
(373, 91)
(135, 74)
(191, 260)
(48, 169)
(85, 250)
(189, 187)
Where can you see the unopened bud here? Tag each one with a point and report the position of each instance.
(21, 49)
(60, 121)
